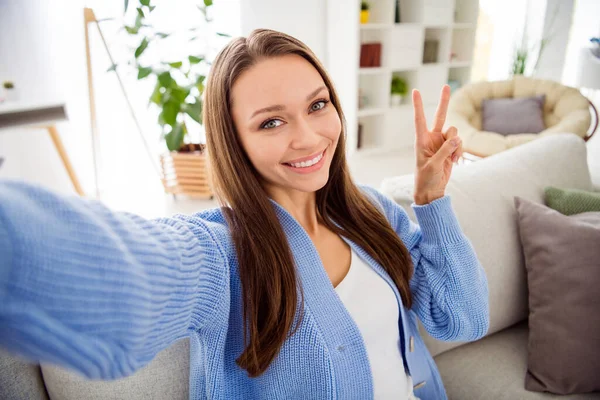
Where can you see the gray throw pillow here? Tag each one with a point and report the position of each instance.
(562, 257)
(508, 116)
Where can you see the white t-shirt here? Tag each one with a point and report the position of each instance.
(372, 304)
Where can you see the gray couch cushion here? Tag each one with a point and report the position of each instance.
(508, 116)
(166, 377)
(20, 380)
(563, 274)
(493, 368)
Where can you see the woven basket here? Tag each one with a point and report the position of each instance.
(186, 174)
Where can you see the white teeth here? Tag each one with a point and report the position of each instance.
(304, 164)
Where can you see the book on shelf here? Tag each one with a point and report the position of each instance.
(370, 55)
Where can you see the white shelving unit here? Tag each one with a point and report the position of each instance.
(452, 23)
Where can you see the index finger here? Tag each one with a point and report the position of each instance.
(420, 122)
(440, 114)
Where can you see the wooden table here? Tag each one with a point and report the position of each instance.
(40, 116)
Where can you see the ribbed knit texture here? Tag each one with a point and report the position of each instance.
(102, 292)
(571, 201)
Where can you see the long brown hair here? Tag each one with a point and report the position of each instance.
(266, 266)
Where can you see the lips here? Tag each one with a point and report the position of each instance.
(306, 159)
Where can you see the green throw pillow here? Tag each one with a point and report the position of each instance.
(572, 201)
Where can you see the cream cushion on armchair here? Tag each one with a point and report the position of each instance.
(565, 110)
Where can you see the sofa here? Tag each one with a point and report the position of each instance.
(492, 368)
(565, 110)
(482, 196)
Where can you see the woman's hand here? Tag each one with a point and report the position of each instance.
(436, 151)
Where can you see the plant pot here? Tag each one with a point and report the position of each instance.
(396, 100)
(364, 16)
(186, 173)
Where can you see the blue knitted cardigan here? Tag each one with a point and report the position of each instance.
(102, 292)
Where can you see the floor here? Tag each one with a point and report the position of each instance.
(370, 170)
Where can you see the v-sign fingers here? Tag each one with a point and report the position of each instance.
(442, 109)
(420, 122)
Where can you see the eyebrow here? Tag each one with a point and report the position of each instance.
(279, 107)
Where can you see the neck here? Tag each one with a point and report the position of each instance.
(301, 205)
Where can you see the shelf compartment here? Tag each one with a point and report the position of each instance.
(405, 50)
(460, 75)
(433, 54)
(430, 80)
(411, 11)
(439, 12)
(411, 78)
(371, 132)
(463, 44)
(466, 11)
(380, 12)
(375, 90)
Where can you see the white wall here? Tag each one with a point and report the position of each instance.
(305, 20)
(585, 25)
(40, 50)
(556, 25)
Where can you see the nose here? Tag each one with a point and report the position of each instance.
(304, 136)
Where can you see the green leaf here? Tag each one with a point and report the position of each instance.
(140, 12)
(162, 35)
(157, 95)
(176, 64)
(166, 80)
(200, 83)
(112, 68)
(139, 21)
(194, 110)
(179, 94)
(170, 110)
(141, 48)
(126, 5)
(174, 138)
(104, 19)
(151, 8)
(194, 59)
(145, 2)
(131, 30)
(208, 3)
(143, 72)
(223, 34)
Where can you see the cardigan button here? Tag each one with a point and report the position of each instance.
(412, 344)
(341, 348)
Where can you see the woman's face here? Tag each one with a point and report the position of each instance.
(286, 123)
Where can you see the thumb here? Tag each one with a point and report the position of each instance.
(446, 150)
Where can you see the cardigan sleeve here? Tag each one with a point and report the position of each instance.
(449, 286)
(98, 291)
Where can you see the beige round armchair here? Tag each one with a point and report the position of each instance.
(565, 110)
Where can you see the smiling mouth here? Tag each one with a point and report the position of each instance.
(307, 163)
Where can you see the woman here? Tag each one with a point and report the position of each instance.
(302, 286)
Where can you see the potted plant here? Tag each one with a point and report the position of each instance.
(364, 12)
(398, 90)
(177, 96)
(10, 93)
